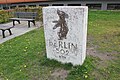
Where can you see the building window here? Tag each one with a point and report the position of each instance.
(113, 6)
(12, 7)
(94, 6)
(57, 4)
(0, 6)
(5, 8)
(32, 5)
(21, 5)
(43, 4)
(74, 4)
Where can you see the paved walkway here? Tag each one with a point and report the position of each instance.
(18, 30)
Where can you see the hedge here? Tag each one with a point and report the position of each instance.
(5, 15)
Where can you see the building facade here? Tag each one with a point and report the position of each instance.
(92, 4)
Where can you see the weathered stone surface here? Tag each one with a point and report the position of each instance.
(65, 33)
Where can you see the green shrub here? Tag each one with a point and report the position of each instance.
(5, 15)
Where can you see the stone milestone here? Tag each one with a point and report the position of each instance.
(65, 29)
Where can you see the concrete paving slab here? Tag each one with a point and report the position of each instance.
(19, 29)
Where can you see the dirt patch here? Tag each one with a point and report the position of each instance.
(59, 74)
(102, 56)
(101, 64)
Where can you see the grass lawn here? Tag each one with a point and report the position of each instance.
(24, 57)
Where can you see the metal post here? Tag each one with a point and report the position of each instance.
(104, 6)
(6, 4)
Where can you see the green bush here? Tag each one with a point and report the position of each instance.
(5, 15)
